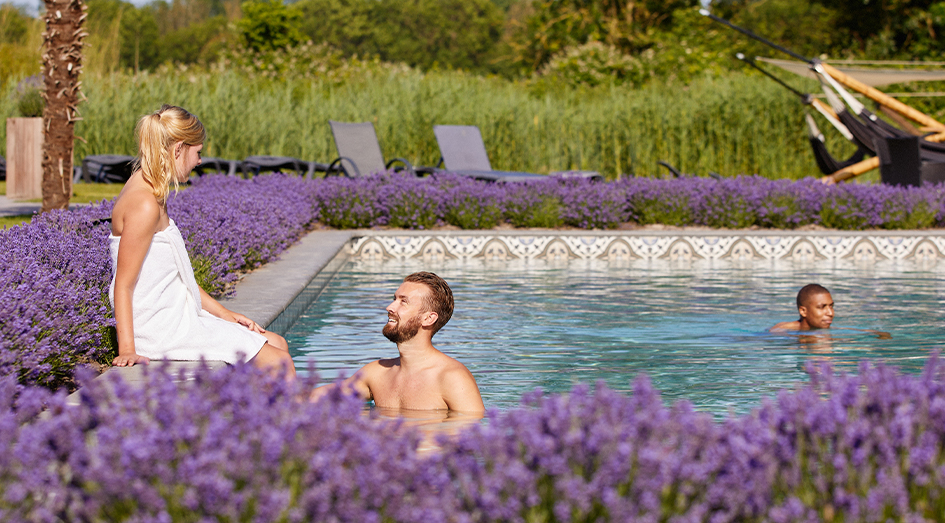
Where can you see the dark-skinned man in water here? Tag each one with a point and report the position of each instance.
(815, 307)
(422, 377)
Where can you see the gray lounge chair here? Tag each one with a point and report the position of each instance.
(217, 165)
(107, 168)
(359, 152)
(257, 164)
(464, 153)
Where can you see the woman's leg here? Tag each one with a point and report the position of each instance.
(275, 359)
(276, 341)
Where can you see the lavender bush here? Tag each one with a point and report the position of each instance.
(54, 277)
(237, 445)
(55, 271)
(403, 201)
(232, 225)
(469, 204)
(230, 445)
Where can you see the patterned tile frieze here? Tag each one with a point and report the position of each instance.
(859, 247)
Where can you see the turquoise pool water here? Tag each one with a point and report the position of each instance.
(697, 329)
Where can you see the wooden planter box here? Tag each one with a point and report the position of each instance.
(24, 158)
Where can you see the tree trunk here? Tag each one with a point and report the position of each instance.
(62, 62)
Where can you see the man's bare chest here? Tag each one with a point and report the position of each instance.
(418, 391)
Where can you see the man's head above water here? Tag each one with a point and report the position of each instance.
(815, 306)
(423, 302)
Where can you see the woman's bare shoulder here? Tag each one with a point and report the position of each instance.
(136, 204)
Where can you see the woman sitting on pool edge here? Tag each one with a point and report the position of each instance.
(160, 311)
(815, 307)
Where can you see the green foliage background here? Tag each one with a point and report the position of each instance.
(604, 85)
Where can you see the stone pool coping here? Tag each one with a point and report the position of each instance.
(277, 293)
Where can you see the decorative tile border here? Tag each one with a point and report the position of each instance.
(672, 245)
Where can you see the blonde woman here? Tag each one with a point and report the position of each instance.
(160, 311)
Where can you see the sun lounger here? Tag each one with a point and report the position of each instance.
(257, 164)
(217, 165)
(359, 152)
(464, 153)
(107, 168)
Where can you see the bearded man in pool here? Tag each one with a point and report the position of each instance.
(422, 377)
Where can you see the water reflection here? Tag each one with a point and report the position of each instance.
(698, 331)
(431, 424)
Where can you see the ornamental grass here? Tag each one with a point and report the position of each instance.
(238, 445)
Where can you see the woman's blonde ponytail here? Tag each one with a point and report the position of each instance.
(157, 133)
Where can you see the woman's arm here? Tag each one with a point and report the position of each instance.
(136, 235)
(214, 307)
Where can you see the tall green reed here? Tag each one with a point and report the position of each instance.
(735, 125)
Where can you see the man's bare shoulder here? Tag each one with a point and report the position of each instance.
(451, 367)
(459, 387)
(786, 326)
(377, 367)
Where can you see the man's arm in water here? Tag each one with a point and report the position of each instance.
(356, 384)
(879, 334)
(460, 391)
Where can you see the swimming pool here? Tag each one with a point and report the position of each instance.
(696, 328)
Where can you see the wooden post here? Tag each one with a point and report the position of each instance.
(24, 158)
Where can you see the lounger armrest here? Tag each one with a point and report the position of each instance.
(672, 169)
(314, 167)
(407, 165)
(337, 167)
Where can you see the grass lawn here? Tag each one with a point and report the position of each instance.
(81, 193)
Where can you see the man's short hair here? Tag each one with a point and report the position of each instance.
(808, 291)
(438, 300)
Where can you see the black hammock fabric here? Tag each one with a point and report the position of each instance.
(826, 162)
(867, 132)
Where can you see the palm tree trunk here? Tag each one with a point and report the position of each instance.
(62, 63)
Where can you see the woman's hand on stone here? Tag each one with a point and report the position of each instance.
(129, 360)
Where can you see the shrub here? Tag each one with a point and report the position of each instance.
(29, 97)
(229, 445)
(232, 225)
(788, 205)
(349, 203)
(653, 201)
(411, 203)
(238, 445)
(592, 205)
(592, 64)
(468, 204)
(534, 204)
(54, 278)
(911, 208)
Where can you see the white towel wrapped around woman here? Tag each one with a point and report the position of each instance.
(169, 322)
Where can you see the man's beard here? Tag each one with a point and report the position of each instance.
(401, 332)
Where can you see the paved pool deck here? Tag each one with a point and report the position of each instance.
(10, 207)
